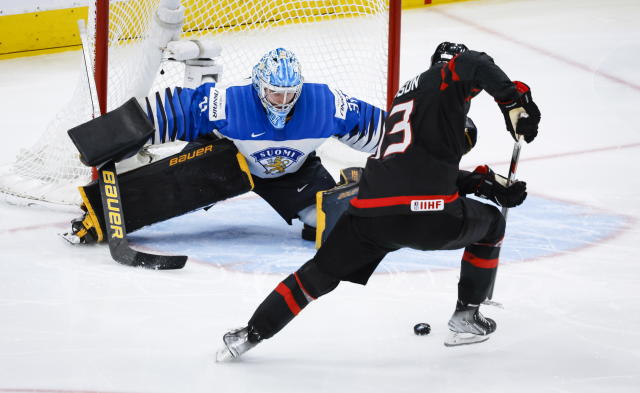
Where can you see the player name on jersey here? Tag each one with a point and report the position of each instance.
(408, 86)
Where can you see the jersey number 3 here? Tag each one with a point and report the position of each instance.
(403, 126)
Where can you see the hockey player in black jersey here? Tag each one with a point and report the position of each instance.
(412, 195)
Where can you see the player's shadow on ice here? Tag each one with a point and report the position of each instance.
(248, 235)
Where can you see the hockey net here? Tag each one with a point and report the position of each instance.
(342, 43)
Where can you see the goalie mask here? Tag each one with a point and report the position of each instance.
(446, 51)
(278, 82)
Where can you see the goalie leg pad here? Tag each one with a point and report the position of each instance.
(330, 204)
(178, 184)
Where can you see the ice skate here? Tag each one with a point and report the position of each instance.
(469, 326)
(237, 342)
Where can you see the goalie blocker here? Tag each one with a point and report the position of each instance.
(176, 185)
(330, 204)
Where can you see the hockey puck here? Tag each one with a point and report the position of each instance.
(422, 329)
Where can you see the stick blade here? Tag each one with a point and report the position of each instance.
(122, 253)
(158, 262)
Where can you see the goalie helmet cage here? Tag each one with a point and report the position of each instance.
(352, 45)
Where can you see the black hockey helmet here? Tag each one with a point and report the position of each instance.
(446, 51)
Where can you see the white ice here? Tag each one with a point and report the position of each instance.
(72, 320)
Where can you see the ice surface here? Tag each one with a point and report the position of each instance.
(72, 320)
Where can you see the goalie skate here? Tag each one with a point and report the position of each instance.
(237, 342)
(468, 326)
(71, 238)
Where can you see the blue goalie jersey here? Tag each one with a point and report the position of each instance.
(235, 112)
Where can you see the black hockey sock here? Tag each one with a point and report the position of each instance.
(479, 263)
(280, 307)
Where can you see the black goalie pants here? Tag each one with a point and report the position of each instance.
(290, 193)
(357, 245)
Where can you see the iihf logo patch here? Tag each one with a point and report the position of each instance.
(427, 205)
(276, 160)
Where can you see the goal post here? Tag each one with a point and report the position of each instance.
(101, 58)
(393, 50)
(352, 45)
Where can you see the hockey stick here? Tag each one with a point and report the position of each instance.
(515, 156)
(119, 247)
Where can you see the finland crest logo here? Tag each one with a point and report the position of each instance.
(276, 160)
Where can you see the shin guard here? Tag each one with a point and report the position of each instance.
(280, 307)
(292, 295)
(479, 263)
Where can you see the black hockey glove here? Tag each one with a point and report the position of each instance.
(522, 115)
(493, 187)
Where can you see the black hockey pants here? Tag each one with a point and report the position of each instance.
(357, 245)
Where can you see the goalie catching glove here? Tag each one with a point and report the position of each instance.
(522, 114)
(485, 183)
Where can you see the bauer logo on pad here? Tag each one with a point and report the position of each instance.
(426, 205)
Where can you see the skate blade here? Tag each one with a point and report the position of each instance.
(224, 355)
(456, 339)
(73, 239)
(492, 303)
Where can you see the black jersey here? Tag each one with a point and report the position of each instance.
(417, 163)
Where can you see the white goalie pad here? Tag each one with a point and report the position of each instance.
(200, 58)
(193, 49)
(199, 71)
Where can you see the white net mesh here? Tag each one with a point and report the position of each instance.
(342, 43)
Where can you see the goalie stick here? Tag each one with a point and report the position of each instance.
(116, 232)
(515, 156)
(119, 247)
